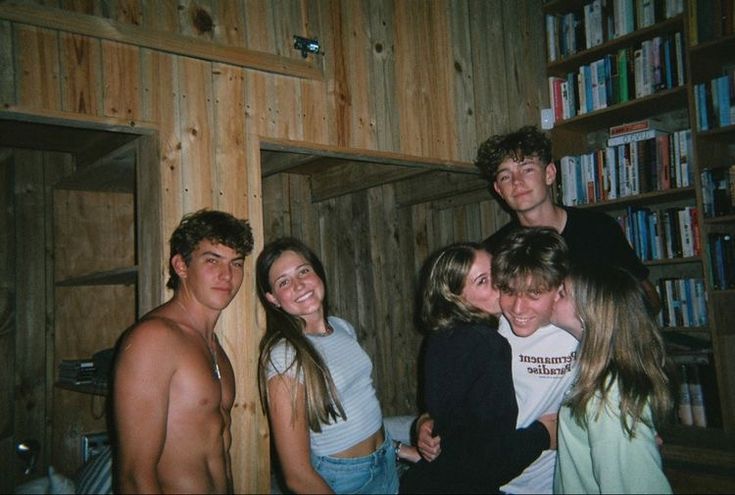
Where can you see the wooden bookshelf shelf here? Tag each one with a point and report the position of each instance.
(650, 198)
(725, 219)
(674, 261)
(663, 101)
(571, 62)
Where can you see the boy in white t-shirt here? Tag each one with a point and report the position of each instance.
(528, 267)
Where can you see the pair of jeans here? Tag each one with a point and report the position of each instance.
(374, 473)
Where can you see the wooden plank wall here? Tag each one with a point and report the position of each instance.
(429, 78)
(7, 320)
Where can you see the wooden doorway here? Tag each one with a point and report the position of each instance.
(61, 176)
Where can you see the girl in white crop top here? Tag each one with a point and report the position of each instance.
(315, 382)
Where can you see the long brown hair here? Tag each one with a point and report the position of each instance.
(445, 273)
(322, 401)
(621, 344)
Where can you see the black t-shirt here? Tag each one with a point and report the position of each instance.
(592, 238)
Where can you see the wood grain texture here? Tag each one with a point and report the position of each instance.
(31, 387)
(37, 72)
(7, 81)
(112, 30)
(197, 131)
(121, 74)
(380, 91)
(81, 74)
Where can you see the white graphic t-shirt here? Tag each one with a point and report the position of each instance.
(543, 370)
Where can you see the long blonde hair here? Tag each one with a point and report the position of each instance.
(322, 401)
(621, 344)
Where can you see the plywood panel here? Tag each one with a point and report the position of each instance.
(463, 81)
(30, 415)
(284, 107)
(493, 108)
(161, 89)
(358, 131)
(382, 71)
(229, 177)
(125, 11)
(423, 76)
(306, 225)
(7, 83)
(287, 20)
(80, 74)
(93, 232)
(87, 319)
(229, 22)
(7, 321)
(196, 133)
(161, 15)
(315, 121)
(259, 31)
(121, 73)
(276, 208)
(237, 325)
(37, 69)
(525, 59)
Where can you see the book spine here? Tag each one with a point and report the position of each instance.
(697, 398)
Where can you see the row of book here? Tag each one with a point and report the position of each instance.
(710, 19)
(633, 72)
(667, 233)
(722, 260)
(691, 404)
(600, 21)
(715, 101)
(639, 162)
(718, 191)
(698, 402)
(683, 302)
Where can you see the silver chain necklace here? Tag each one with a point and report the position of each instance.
(212, 352)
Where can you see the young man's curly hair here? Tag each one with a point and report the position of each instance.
(526, 141)
(218, 227)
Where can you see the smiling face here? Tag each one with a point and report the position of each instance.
(214, 274)
(478, 290)
(527, 306)
(524, 185)
(296, 288)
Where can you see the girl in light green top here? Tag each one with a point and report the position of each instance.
(607, 434)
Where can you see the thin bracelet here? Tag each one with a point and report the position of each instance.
(397, 447)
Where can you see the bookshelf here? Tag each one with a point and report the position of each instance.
(665, 64)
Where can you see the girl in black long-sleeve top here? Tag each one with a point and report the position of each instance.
(468, 386)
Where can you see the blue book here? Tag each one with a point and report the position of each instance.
(689, 299)
(588, 87)
(668, 64)
(723, 93)
(572, 94)
(643, 240)
(701, 96)
(609, 84)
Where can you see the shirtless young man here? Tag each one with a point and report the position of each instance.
(174, 385)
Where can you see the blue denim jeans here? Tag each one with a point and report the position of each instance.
(375, 473)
